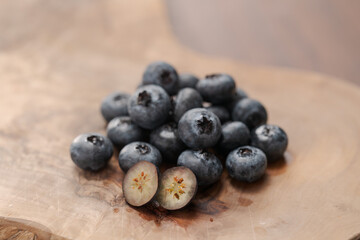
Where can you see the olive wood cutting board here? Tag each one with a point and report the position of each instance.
(59, 59)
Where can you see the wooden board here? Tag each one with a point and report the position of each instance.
(59, 59)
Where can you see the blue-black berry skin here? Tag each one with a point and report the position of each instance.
(162, 74)
(220, 111)
(187, 80)
(138, 151)
(91, 151)
(199, 128)
(186, 99)
(149, 106)
(122, 131)
(114, 105)
(216, 88)
(271, 139)
(238, 95)
(167, 140)
(205, 165)
(233, 135)
(251, 112)
(246, 164)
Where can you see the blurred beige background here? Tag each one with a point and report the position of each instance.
(320, 35)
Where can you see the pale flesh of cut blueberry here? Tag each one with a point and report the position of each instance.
(177, 188)
(140, 183)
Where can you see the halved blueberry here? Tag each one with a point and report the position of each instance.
(177, 188)
(140, 183)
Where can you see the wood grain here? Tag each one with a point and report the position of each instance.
(322, 35)
(60, 58)
(25, 230)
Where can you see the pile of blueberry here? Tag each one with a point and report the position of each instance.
(183, 121)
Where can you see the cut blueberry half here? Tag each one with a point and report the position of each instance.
(177, 188)
(140, 183)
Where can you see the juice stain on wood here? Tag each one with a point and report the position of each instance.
(204, 204)
(244, 202)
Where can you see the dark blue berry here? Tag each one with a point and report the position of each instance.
(136, 152)
(115, 105)
(216, 88)
(206, 166)
(220, 111)
(199, 128)
(271, 139)
(187, 80)
(166, 139)
(246, 164)
(237, 96)
(234, 135)
(186, 99)
(91, 151)
(149, 106)
(250, 112)
(162, 74)
(122, 131)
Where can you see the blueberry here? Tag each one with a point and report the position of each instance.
(187, 80)
(91, 151)
(199, 128)
(250, 112)
(234, 135)
(166, 139)
(271, 139)
(162, 74)
(115, 105)
(237, 96)
(136, 152)
(206, 166)
(186, 99)
(140, 183)
(172, 108)
(220, 111)
(177, 188)
(122, 131)
(149, 106)
(216, 88)
(246, 164)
